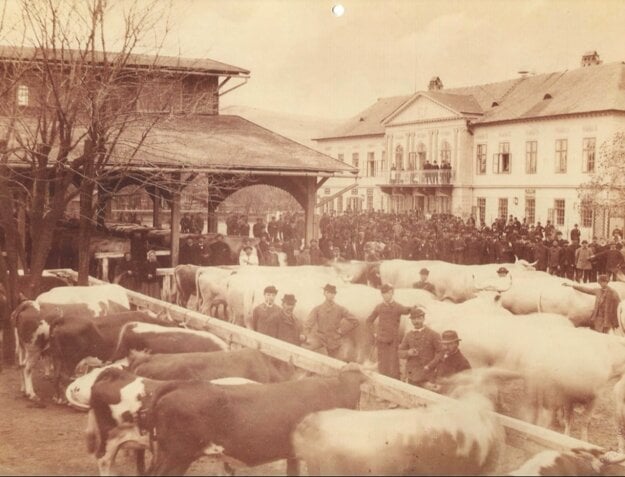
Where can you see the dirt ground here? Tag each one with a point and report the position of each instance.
(49, 440)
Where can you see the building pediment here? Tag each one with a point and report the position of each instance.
(421, 108)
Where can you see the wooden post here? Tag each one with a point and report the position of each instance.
(175, 219)
(211, 215)
(309, 208)
(156, 209)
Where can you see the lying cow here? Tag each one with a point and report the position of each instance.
(73, 339)
(32, 320)
(117, 398)
(250, 424)
(445, 438)
(161, 339)
(591, 461)
(245, 363)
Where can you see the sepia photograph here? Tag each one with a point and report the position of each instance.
(312, 237)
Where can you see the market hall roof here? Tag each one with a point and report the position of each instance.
(173, 63)
(581, 90)
(228, 144)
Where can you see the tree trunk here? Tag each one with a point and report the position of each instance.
(86, 218)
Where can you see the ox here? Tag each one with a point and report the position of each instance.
(243, 423)
(449, 437)
(32, 320)
(161, 339)
(211, 283)
(590, 461)
(117, 397)
(73, 339)
(245, 363)
(184, 280)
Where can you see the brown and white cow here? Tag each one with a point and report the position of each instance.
(117, 399)
(590, 461)
(250, 425)
(161, 339)
(32, 320)
(245, 363)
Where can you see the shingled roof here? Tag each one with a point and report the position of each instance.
(187, 65)
(206, 143)
(582, 90)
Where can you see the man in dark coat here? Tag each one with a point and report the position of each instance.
(604, 315)
(388, 314)
(419, 348)
(289, 329)
(423, 283)
(220, 252)
(450, 360)
(266, 317)
(187, 252)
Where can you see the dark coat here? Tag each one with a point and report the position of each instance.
(447, 365)
(388, 316)
(427, 343)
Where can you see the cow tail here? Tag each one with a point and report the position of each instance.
(198, 294)
(121, 349)
(92, 433)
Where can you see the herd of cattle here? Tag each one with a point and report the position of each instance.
(181, 393)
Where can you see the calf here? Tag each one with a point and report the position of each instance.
(250, 424)
(160, 339)
(73, 339)
(116, 403)
(591, 461)
(245, 363)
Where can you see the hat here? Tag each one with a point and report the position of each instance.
(289, 299)
(502, 270)
(248, 247)
(603, 278)
(424, 271)
(386, 288)
(329, 288)
(271, 289)
(449, 336)
(416, 311)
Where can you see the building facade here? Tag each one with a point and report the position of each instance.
(520, 147)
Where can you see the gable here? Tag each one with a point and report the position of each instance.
(421, 109)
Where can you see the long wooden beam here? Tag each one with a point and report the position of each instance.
(519, 434)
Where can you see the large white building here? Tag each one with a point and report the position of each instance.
(519, 147)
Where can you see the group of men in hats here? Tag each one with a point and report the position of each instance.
(428, 356)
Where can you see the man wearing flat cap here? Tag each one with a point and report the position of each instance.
(419, 348)
(423, 283)
(388, 314)
(332, 322)
(266, 316)
(450, 360)
(289, 329)
(604, 315)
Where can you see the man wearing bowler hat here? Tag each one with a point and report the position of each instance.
(423, 284)
(450, 360)
(332, 322)
(420, 347)
(388, 314)
(266, 316)
(289, 329)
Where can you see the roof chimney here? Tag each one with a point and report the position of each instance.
(590, 58)
(435, 84)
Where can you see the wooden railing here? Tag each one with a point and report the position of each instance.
(519, 434)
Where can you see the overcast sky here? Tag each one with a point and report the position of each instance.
(305, 60)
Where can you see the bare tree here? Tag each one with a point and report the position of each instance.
(605, 190)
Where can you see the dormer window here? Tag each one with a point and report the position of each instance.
(547, 96)
(22, 95)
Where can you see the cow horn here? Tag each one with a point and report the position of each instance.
(533, 264)
(612, 457)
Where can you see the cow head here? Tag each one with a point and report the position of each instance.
(524, 264)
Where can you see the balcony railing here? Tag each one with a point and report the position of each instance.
(424, 178)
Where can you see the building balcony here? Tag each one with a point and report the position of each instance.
(421, 178)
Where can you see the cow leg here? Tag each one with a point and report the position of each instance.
(140, 461)
(586, 417)
(32, 355)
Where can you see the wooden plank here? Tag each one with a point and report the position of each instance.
(519, 434)
(108, 255)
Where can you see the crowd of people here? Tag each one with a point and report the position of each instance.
(449, 238)
(429, 356)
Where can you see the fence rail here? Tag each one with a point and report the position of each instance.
(519, 434)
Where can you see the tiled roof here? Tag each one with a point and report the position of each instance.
(230, 142)
(190, 65)
(588, 89)
(369, 121)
